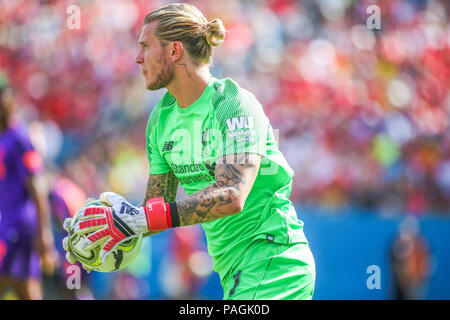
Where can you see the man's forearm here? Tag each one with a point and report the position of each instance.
(44, 229)
(161, 185)
(235, 176)
(210, 203)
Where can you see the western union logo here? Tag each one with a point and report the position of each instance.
(240, 123)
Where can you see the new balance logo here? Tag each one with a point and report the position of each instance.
(240, 123)
(168, 146)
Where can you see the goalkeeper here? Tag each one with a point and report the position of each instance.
(213, 138)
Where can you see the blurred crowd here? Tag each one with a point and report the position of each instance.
(362, 115)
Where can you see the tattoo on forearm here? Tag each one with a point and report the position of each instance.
(162, 185)
(233, 183)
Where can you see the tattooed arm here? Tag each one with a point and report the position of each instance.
(234, 178)
(161, 185)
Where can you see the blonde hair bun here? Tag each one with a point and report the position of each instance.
(184, 22)
(215, 32)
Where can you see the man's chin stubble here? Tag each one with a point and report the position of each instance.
(157, 86)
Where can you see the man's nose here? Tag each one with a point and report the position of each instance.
(139, 59)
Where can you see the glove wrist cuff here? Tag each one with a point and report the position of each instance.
(159, 214)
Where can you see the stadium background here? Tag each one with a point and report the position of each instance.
(362, 117)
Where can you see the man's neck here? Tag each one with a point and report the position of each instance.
(189, 84)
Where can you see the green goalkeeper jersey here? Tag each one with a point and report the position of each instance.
(226, 119)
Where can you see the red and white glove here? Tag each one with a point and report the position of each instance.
(108, 226)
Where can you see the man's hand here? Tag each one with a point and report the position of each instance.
(70, 257)
(49, 256)
(107, 226)
(43, 244)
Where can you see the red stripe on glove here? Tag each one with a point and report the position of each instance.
(168, 216)
(111, 230)
(93, 223)
(95, 210)
(99, 235)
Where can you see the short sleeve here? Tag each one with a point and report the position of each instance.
(157, 163)
(242, 124)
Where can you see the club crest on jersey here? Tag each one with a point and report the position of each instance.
(211, 166)
(240, 123)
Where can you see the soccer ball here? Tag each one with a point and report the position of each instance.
(118, 259)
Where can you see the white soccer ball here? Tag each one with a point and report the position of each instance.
(118, 259)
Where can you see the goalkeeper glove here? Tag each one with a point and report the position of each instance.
(70, 257)
(107, 226)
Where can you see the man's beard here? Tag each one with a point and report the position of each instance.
(164, 77)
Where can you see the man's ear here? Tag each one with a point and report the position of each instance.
(176, 50)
